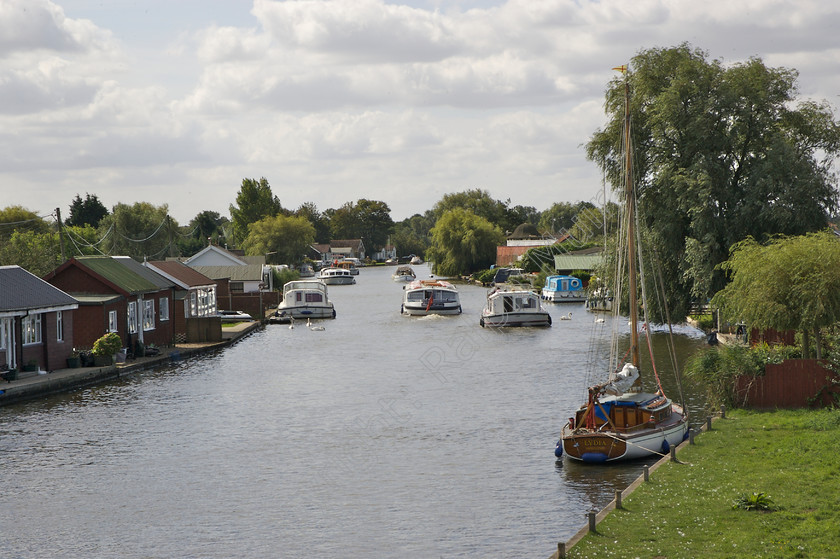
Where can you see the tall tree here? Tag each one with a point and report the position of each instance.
(287, 237)
(561, 216)
(318, 220)
(480, 203)
(18, 218)
(369, 220)
(140, 230)
(89, 211)
(254, 201)
(463, 242)
(722, 153)
(790, 283)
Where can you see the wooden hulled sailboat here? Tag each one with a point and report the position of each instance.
(620, 421)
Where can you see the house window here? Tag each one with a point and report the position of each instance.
(31, 326)
(148, 315)
(193, 308)
(112, 321)
(164, 309)
(204, 306)
(132, 317)
(237, 287)
(5, 329)
(59, 326)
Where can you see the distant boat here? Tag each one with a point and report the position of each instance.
(619, 420)
(404, 273)
(416, 261)
(306, 271)
(502, 275)
(336, 276)
(563, 289)
(599, 300)
(513, 307)
(424, 297)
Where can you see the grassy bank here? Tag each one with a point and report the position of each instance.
(686, 510)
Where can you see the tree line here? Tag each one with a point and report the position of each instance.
(260, 225)
(725, 153)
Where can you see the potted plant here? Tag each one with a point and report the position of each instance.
(106, 348)
(74, 360)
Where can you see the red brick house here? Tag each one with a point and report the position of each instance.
(117, 294)
(36, 321)
(195, 301)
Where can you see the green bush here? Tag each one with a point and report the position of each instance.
(107, 345)
(484, 276)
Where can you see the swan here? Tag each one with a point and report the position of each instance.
(291, 323)
(564, 317)
(599, 320)
(313, 328)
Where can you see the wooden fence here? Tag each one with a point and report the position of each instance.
(795, 383)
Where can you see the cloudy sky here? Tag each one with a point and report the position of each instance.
(176, 101)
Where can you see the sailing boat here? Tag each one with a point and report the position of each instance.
(620, 421)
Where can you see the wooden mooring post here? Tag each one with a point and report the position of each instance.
(722, 411)
(690, 436)
(647, 472)
(561, 550)
(708, 423)
(591, 516)
(618, 498)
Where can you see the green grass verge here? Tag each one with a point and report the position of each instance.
(686, 509)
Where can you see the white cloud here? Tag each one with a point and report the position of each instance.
(336, 100)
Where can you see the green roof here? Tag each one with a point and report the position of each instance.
(118, 274)
(577, 261)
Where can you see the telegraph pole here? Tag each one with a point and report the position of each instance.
(60, 234)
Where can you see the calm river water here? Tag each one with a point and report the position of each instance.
(381, 436)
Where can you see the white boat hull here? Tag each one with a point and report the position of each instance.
(339, 280)
(563, 296)
(422, 310)
(515, 319)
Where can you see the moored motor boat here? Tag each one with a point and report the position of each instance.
(563, 289)
(513, 307)
(303, 299)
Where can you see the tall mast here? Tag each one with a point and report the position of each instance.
(630, 203)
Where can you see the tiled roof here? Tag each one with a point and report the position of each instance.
(21, 290)
(181, 273)
(144, 272)
(252, 272)
(118, 274)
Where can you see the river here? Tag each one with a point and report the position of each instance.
(381, 436)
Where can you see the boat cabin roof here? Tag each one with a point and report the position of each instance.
(311, 285)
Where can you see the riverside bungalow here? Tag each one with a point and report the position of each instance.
(36, 322)
(338, 250)
(195, 313)
(117, 294)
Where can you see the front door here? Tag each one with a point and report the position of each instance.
(7, 341)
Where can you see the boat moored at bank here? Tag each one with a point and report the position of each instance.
(303, 299)
(563, 289)
(513, 307)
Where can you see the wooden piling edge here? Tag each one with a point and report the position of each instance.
(563, 548)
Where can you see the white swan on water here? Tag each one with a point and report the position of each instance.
(564, 317)
(313, 328)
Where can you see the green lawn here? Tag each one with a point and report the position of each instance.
(686, 510)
